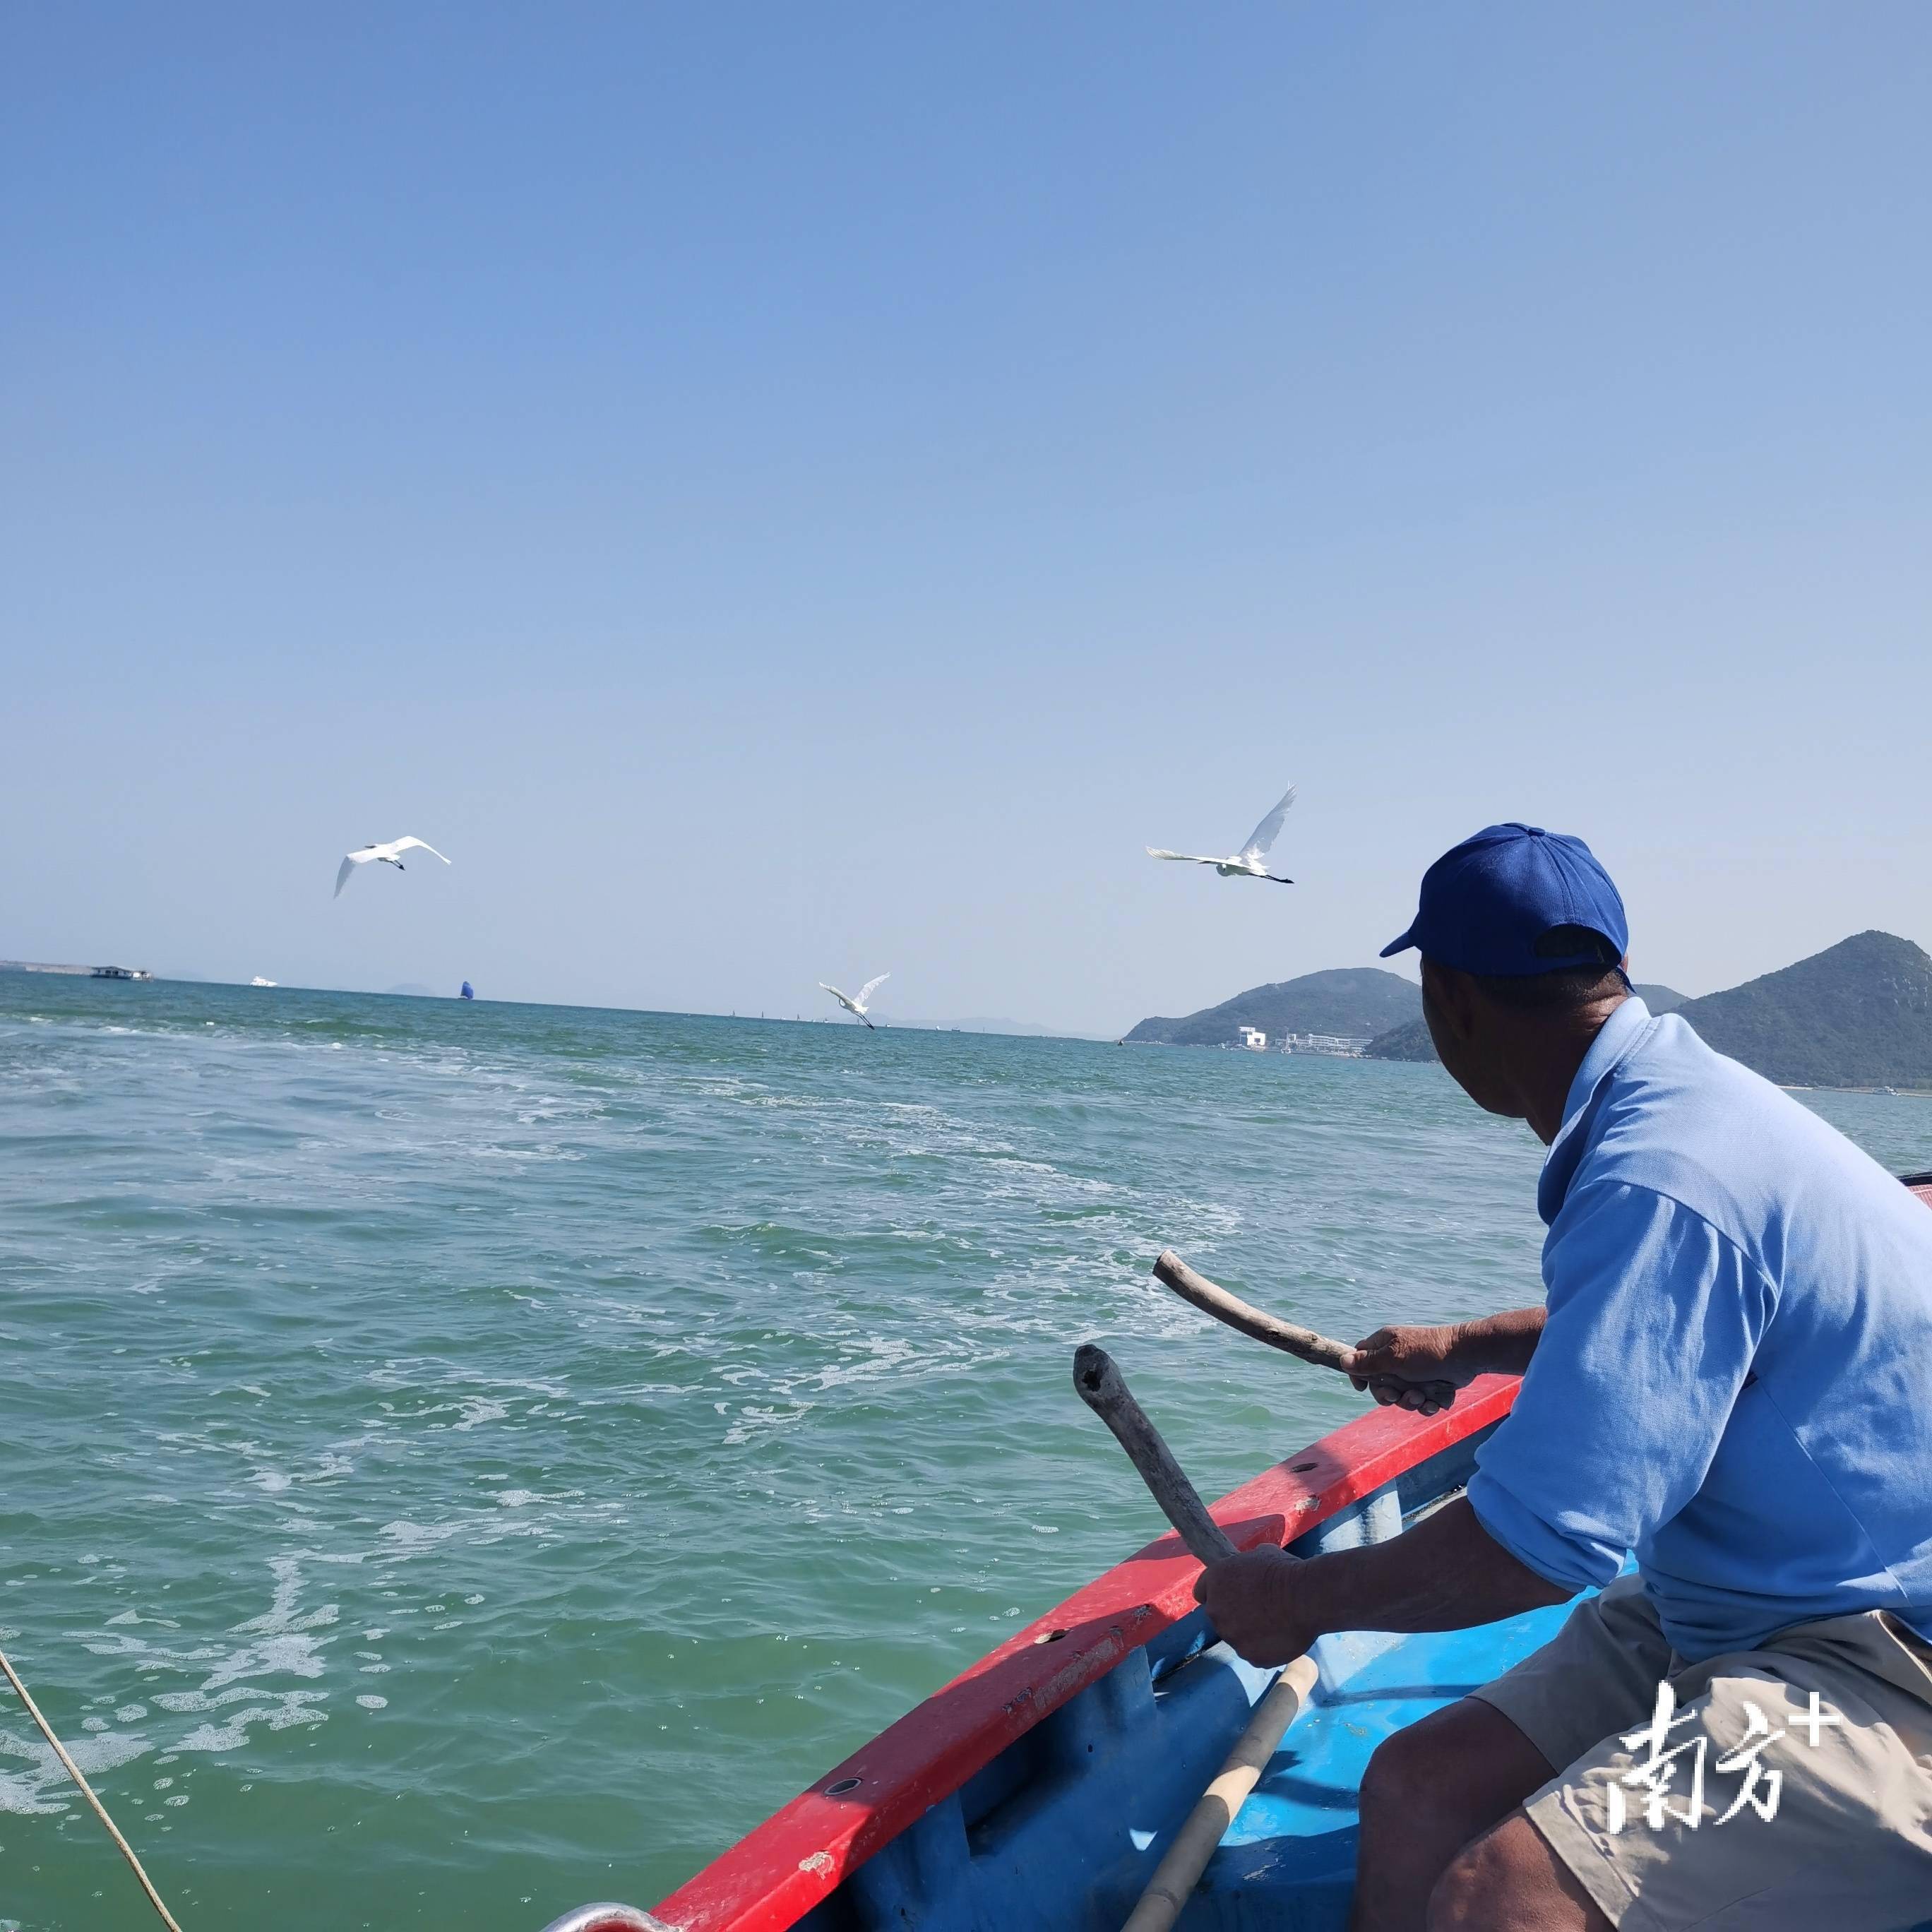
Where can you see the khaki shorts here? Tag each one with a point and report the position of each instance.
(1835, 1834)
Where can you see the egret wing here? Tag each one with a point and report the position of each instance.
(835, 992)
(871, 986)
(1186, 858)
(1265, 834)
(417, 845)
(343, 872)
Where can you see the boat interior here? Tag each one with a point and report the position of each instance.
(1064, 1829)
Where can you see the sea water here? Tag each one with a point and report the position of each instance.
(462, 1460)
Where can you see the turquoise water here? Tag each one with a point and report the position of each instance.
(464, 1460)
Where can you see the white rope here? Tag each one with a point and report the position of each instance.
(87, 1792)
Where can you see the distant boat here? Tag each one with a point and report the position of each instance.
(258, 981)
(469, 991)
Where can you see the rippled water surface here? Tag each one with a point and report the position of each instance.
(464, 1460)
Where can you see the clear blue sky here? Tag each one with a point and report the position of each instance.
(780, 493)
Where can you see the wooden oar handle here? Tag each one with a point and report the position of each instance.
(1104, 1390)
(1171, 1271)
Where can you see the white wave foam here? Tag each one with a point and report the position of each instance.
(293, 1708)
(26, 1793)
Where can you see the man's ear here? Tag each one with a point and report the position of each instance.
(1449, 996)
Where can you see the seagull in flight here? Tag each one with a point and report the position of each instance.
(856, 1005)
(383, 855)
(1251, 861)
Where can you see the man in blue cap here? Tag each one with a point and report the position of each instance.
(1729, 1382)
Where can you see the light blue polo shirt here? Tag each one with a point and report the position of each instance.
(1735, 1381)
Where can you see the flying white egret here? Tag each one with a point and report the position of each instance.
(856, 1005)
(384, 855)
(1251, 861)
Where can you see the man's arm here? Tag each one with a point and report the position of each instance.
(1654, 1317)
(1396, 1365)
(1446, 1574)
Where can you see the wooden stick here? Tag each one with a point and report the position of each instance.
(1104, 1390)
(1171, 1271)
(1179, 1870)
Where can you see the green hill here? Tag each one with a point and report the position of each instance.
(1858, 1014)
(1355, 1001)
(1403, 1042)
(1412, 1041)
(1658, 999)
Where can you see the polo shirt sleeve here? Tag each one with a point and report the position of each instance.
(1654, 1317)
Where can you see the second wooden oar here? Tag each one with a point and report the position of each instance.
(1171, 1271)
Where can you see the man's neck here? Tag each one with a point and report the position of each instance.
(1547, 1056)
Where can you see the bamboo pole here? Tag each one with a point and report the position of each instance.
(73, 1770)
(1179, 1870)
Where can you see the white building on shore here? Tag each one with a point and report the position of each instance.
(1337, 1045)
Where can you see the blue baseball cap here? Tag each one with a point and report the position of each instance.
(1488, 903)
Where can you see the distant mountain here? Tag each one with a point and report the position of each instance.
(1358, 1001)
(1858, 1014)
(1403, 1042)
(1412, 1041)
